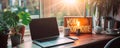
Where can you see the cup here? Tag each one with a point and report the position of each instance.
(66, 31)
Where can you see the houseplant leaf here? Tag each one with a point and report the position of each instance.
(25, 17)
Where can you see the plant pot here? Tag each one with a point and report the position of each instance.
(22, 31)
(97, 30)
(15, 39)
(3, 40)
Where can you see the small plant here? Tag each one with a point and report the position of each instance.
(11, 19)
(14, 19)
(23, 15)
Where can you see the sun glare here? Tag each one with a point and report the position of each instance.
(69, 1)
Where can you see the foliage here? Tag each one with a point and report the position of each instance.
(105, 6)
(8, 20)
(3, 28)
(11, 20)
(25, 17)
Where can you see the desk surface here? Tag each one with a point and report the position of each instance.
(84, 39)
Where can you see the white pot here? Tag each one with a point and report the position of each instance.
(97, 30)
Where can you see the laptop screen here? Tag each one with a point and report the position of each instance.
(43, 28)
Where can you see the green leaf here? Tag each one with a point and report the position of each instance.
(25, 17)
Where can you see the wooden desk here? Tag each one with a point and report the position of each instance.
(84, 41)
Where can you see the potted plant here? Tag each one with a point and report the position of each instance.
(16, 21)
(24, 20)
(12, 21)
(103, 8)
(4, 30)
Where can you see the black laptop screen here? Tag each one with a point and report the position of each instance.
(43, 28)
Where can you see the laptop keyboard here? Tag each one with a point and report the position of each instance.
(55, 42)
(48, 39)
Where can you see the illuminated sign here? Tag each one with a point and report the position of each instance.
(78, 22)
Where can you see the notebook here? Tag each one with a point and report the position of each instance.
(45, 33)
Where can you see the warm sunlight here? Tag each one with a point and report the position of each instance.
(69, 1)
(70, 7)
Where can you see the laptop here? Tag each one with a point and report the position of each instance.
(45, 33)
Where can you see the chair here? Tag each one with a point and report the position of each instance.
(113, 43)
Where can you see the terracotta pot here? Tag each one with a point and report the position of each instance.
(3, 40)
(22, 31)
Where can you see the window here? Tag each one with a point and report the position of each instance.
(49, 8)
(61, 8)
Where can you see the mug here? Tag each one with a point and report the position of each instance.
(66, 31)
